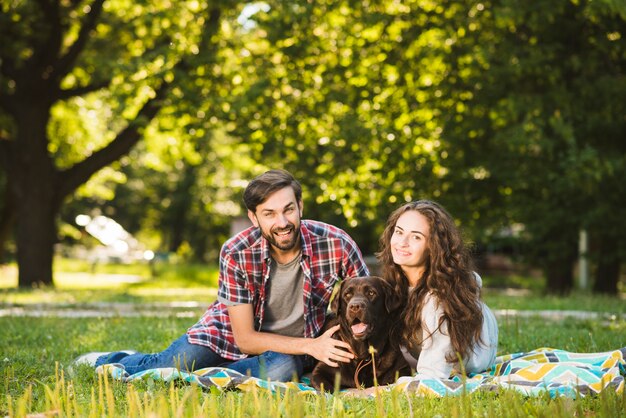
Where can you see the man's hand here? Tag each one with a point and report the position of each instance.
(324, 348)
(329, 350)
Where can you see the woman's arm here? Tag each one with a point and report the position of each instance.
(432, 360)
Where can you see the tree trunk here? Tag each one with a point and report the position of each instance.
(559, 272)
(179, 210)
(607, 277)
(608, 267)
(560, 278)
(34, 184)
(7, 220)
(36, 236)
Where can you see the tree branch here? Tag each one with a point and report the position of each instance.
(129, 136)
(8, 62)
(211, 27)
(7, 68)
(7, 219)
(66, 62)
(81, 172)
(4, 153)
(46, 51)
(79, 91)
(6, 104)
(48, 6)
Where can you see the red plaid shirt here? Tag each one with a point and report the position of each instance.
(328, 255)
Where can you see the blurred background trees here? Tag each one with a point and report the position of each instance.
(81, 83)
(509, 113)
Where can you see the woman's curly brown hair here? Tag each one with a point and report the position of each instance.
(448, 276)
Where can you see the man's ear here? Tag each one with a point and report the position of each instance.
(300, 207)
(335, 305)
(253, 218)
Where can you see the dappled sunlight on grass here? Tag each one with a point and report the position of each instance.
(64, 280)
(532, 282)
(187, 293)
(528, 333)
(69, 288)
(579, 301)
(121, 294)
(8, 276)
(72, 265)
(76, 282)
(72, 278)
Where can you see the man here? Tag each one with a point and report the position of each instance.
(275, 283)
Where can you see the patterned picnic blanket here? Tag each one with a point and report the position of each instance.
(557, 372)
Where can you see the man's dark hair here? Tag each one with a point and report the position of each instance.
(261, 187)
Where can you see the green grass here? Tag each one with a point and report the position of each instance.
(35, 354)
(577, 301)
(154, 400)
(77, 282)
(36, 350)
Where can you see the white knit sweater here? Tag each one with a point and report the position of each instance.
(430, 361)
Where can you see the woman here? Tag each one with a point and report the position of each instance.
(423, 255)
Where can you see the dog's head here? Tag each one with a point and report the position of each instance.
(363, 305)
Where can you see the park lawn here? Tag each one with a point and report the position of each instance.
(76, 282)
(35, 353)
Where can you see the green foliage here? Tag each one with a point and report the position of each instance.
(501, 111)
(507, 112)
(174, 181)
(541, 120)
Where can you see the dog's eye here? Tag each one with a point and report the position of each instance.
(371, 293)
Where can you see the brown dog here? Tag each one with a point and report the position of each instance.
(367, 310)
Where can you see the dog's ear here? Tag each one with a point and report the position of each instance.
(393, 299)
(335, 304)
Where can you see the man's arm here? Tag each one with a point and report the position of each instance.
(323, 348)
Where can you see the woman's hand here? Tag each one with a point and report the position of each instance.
(329, 350)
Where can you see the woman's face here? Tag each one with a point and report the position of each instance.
(409, 247)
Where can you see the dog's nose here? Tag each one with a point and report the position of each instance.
(356, 306)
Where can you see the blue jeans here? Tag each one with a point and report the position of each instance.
(179, 354)
(273, 366)
(185, 356)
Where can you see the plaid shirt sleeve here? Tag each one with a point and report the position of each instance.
(233, 282)
(334, 256)
(236, 286)
(353, 263)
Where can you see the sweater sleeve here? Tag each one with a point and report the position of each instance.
(432, 359)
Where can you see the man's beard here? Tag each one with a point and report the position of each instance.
(283, 245)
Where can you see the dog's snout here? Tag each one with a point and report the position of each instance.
(356, 305)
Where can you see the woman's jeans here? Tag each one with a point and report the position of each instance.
(185, 356)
